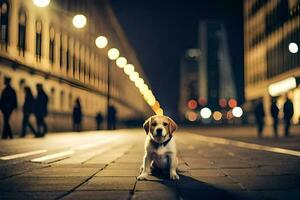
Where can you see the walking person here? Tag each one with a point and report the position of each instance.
(41, 110)
(8, 104)
(288, 110)
(274, 114)
(112, 117)
(99, 120)
(259, 115)
(77, 116)
(27, 111)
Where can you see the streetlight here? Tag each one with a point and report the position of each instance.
(128, 69)
(293, 47)
(134, 76)
(112, 54)
(79, 21)
(41, 3)
(101, 42)
(121, 62)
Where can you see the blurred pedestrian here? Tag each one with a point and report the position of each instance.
(8, 103)
(288, 110)
(112, 117)
(27, 111)
(77, 116)
(259, 115)
(274, 114)
(41, 110)
(99, 120)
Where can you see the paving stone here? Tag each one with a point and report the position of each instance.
(29, 195)
(40, 183)
(215, 180)
(117, 165)
(62, 172)
(109, 183)
(155, 195)
(206, 172)
(152, 186)
(118, 172)
(98, 195)
(247, 171)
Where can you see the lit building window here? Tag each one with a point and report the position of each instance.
(38, 40)
(22, 33)
(4, 24)
(51, 45)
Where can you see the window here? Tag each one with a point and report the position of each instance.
(61, 52)
(67, 56)
(38, 41)
(22, 33)
(51, 45)
(62, 100)
(4, 24)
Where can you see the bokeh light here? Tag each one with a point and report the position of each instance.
(237, 112)
(293, 47)
(79, 21)
(128, 69)
(229, 115)
(101, 42)
(202, 101)
(232, 103)
(217, 115)
(192, 104)
(205, 113)
(222, 103)
(134, 76)
(121, 62)
(191, 116)
(41, 3)
(113, 53)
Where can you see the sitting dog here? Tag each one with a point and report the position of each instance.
(160, 147)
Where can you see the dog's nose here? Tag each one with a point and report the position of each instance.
(159, 131)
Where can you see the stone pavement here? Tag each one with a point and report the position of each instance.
(207, 171)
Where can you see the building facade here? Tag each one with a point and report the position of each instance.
(272, 59)
(207, 76)
(40, 45)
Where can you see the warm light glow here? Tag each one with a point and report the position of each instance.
(191, 116)
(101, 42)
(229, 115)
(232, 103)
(205, 113)
(79, 21)
(222, 103)
(293, 47)
(156, 105)
(128, 69)
(121, 62)
(237, 112)
(134, 76)
(202, 101)
(139, 83)
(41, 3)
(143, 88)
(217, 115)
(159, 111)
(192, 104)
(282, 86)
(113, 53)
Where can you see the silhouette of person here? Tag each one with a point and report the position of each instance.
(77, 116)
(99, 120)
(41, 110)
(27, 111)
(112, 117)
(8, 103)
(259, 115)
(288, 110)
(274, 114)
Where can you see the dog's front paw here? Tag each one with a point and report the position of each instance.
(174, 176)
(143, 176)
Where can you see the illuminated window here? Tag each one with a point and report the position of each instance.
(4, 24)
(22, 32)
(38, 41)
(51, 45)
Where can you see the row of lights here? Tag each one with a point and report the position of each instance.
(223, 103)
(79, 21)
(206, 113)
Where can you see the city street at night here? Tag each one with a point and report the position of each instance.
(215, 163)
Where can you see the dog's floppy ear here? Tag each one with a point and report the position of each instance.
(172, 125)
(146, 125)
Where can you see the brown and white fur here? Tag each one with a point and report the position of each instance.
(160, 146)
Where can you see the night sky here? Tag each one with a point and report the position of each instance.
(161, 31)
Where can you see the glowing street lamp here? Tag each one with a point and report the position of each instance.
(128, 69)
(205, 113)
(121, 62)
(101, 42)
(113, 53)
(79, 21)
(293, 47)
(139, 83)
(237, 112)
(134, 76)
(41, 3)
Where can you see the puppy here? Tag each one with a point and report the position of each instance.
(160, 147)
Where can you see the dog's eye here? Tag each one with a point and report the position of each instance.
(165, 124)
(153, 123)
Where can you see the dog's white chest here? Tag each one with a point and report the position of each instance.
(160, 158)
